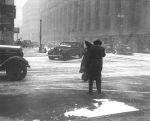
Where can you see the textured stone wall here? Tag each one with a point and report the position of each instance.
(89, 19)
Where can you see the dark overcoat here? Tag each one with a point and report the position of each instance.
(94, 63)
(84, 58)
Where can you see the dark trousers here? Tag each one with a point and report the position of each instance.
(98, 85)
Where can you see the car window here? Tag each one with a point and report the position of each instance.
(65, 44)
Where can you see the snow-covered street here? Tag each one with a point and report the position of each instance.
(53, 88)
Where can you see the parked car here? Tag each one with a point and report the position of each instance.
(12, 61)
(107, 47)
(35, 44)
(122, 49)
(66, 50)
(27, 44)
(49, 46)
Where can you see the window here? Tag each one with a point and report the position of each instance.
(2, 1)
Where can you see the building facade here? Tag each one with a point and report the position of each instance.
(30, 21)
(7, 16)
(112, 21)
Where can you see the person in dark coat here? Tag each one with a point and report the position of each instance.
(94, 65)
(84, 58)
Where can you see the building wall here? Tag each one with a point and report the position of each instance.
(30, 21)
(7, 16)
(9, 2)
(109, 20)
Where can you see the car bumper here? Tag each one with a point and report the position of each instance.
(55, 56)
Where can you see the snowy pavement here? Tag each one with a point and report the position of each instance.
(53, 90)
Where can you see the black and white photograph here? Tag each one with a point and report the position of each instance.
(74, 60)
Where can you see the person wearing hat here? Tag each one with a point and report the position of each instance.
(84, 58)
(94, 65)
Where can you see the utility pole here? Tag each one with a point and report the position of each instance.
(40, 49)
(121, 17)
(17, 36)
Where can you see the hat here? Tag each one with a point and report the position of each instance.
(88, 44)
(97, 42)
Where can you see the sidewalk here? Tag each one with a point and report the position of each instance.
(71, 105)
(34, 52)
(47, 101)
(138, 56)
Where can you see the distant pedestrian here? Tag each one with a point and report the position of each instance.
(2, 42)
(84, 58)
(94, 65)
(19, 43)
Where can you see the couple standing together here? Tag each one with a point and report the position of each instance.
(92, 64)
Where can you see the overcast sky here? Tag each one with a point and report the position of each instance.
(19, 4)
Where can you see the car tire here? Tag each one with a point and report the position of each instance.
(16, 71)
(51, 58)
(66, 56)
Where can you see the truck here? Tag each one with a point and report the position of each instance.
(27, 44)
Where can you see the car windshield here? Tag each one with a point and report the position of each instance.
(71, 44)
(75, 44)
(65, 44)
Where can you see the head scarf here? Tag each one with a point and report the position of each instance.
(88, 44)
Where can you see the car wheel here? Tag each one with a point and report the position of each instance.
(51, 58)
(66, 56)
(16, 71)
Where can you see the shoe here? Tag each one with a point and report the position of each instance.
(89, 92)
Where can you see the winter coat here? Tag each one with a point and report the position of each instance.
(94, 63)
(82, 66)
(84, 58)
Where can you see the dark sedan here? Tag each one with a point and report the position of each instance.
(12, 61)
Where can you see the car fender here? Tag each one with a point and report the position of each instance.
(14, 58)
(65, 52)
(50, 51)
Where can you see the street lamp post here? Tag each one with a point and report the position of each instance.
(121, 17)
(40, 49)
(54, 30)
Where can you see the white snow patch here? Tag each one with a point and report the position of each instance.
(106, 108)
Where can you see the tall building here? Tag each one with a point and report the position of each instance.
(7, 16)
(30, 21)
(112, 21)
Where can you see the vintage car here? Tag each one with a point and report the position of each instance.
(122, 49)
(35, 44)
(107, 47)
(66, 50)
(27, 44)
(12, 61)
(48, 46)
